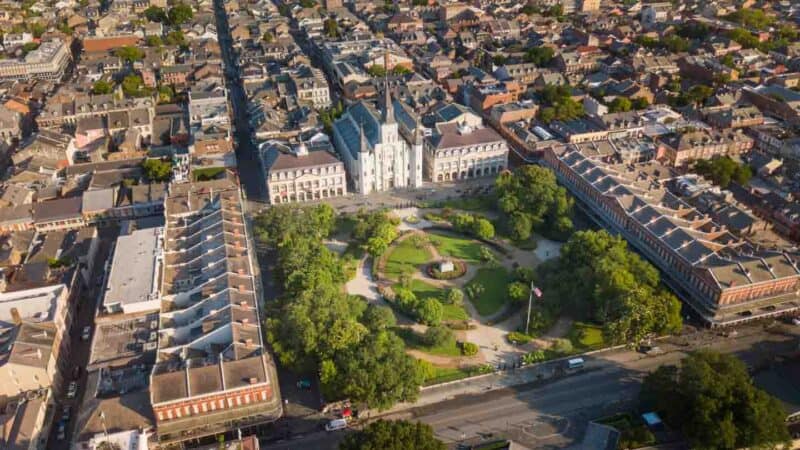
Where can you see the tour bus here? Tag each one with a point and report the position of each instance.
(575, 364)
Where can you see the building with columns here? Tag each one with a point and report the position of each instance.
(461, 147)
(299, 175)
(382, 150)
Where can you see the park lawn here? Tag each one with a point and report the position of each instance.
(450, 313)
(459, 247)
(414, 341)
(586, 336)
(405, 257)
(453, 313)
(494, 296)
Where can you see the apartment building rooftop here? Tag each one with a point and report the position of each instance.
(725, 260)
(133, 283)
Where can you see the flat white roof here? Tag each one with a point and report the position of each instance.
(136, 268)
(37, 304)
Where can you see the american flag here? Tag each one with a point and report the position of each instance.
(537, 292)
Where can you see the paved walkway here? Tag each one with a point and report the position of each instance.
(363, 284)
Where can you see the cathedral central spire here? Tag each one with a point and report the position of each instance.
(387, 115)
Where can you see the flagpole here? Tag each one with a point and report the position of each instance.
(530, 300)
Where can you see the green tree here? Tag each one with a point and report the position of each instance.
(530, 198)
(268, 37)
(618, 289)
(392, 435)
(318, 323)
(620, 104)
(377, 372)
(129, 53)
(374, 231)
(101, 87)
(180, 14)
(376, 71)
(454, 296)
(518, 292)
(482, 228)
(436, 335)
(133, 86)
(430, 311)
(154, 41)
(541, 56)
(378, 318)
(176, 38)
(751, 17)
(401, 70)
(29, 47)
(712, 400)
(155, 14)
(331, 27)
(721, 170)
(157, 169)
(640, 103)
(165, 94)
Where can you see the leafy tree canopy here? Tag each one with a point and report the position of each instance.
(180, 14)
(618, 289)
(157, 169)
(721, 170)
(392, 435)
(531, 199)
(712, 400)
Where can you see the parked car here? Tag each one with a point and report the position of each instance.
(87, 333)
(304, 384)
(65, 413)
(72, 389)
(796, 321)
(336, 424)
(62, 431)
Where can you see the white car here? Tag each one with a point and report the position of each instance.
(87, 332)
(72, 389)
(796, 321)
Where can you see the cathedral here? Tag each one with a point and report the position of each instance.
(382, 150)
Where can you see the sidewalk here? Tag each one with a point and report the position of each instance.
(541, 372)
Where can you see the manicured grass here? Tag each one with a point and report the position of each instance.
(473, 203)
(453, 313)
(414, 341)
(425, 290)
(585, 336)
(405, 257)
(457, 246)
(445, 374)
(494, 296)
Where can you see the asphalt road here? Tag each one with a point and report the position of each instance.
(79, 349)
(251, 174)
(554, 414)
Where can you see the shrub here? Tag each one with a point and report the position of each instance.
(515, 337)
(562, 346)
(425, 370)
(454, 296)
(469, 349)
(430, 311)
(534, 357)
(436, 336)
(406, 299)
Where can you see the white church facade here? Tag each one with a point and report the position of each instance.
(382, 150)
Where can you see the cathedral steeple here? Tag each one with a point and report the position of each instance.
(387, 114)
(364, 144)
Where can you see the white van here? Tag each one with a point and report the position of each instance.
(575, 363)
(336, 424)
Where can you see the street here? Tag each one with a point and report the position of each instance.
(79, 349)
(251, 174)
(553, 413)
